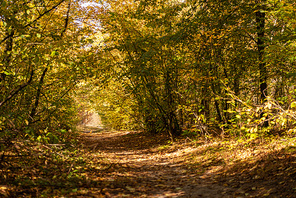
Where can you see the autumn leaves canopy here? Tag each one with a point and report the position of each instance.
(163, 66)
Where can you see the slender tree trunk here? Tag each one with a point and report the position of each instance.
(260, 20)
(218, 111)
(172, 123)
(7, 55)
(37, 99)
(226, 114)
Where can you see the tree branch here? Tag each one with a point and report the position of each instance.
(33, 112)
(66, 20)
(39, 17)
(15, 91)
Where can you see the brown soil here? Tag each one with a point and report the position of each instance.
(139, 165)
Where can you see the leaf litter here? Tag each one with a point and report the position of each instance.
(137, 164)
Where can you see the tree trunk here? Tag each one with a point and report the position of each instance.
(260, 20)
(173, 126)
(37, 99)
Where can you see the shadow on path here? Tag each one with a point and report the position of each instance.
(140, 165)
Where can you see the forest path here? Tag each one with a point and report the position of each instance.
(140, 165)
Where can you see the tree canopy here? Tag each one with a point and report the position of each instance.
(196, 65)
(162, 66)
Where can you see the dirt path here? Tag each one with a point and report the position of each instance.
(135, 164)
(144, 166)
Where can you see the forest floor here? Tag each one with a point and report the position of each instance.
(141, 165)
(137, 164)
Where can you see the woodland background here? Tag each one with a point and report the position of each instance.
(206, 68)
(162, 66)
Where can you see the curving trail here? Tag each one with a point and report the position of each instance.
(143, 166)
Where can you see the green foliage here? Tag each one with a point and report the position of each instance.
(248, 119)
(189, 133)
(170, 61)
(41, 61)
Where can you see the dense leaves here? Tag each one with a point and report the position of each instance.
(42, 60)
(199, 68)
(195, 65)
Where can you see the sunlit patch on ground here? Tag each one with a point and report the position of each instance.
(186, 166)
(136, 164)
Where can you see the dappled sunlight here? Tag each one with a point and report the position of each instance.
(157, 170)
(193, 168)
(116, 164)
(260, 167)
